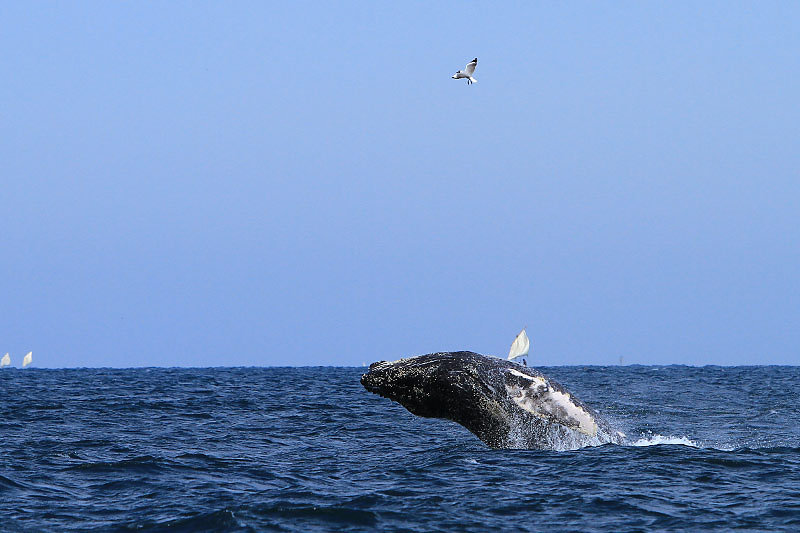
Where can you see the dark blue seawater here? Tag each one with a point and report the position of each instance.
(308, 449)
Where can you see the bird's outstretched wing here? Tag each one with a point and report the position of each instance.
(471, 67)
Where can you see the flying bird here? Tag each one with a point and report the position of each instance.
(467, 72)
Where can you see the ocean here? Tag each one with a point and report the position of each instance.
(308, 449)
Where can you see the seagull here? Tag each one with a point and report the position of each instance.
(467, 72)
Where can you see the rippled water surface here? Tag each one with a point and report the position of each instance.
(253, 449)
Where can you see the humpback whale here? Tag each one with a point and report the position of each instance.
(504, 404)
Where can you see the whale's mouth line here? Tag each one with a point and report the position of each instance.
(383, 388)
(372, 387)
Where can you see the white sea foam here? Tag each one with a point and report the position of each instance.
(654, 440)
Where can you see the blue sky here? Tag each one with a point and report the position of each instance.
(301, 183)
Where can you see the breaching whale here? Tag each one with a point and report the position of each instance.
(504, 404)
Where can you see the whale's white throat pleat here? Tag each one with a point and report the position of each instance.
(538, 398)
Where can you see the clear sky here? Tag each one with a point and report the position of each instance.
(302, 183)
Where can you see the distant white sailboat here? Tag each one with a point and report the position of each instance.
(520, 346)
(5, 361)
(27, 360)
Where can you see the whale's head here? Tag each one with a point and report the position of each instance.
(452, 385)
(412, 383)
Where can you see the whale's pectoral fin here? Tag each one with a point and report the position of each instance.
(544, 399)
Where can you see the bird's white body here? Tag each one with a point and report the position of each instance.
(467, 72)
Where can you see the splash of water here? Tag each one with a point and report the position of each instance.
(550, 436)
(654, 440)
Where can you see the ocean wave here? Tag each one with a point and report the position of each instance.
(8, 484)
(221, 520)
(141, 464)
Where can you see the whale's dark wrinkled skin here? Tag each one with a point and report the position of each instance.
(504, 404)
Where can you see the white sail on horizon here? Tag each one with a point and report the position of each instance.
(27, 360)
(5, 361)
(520, 346)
